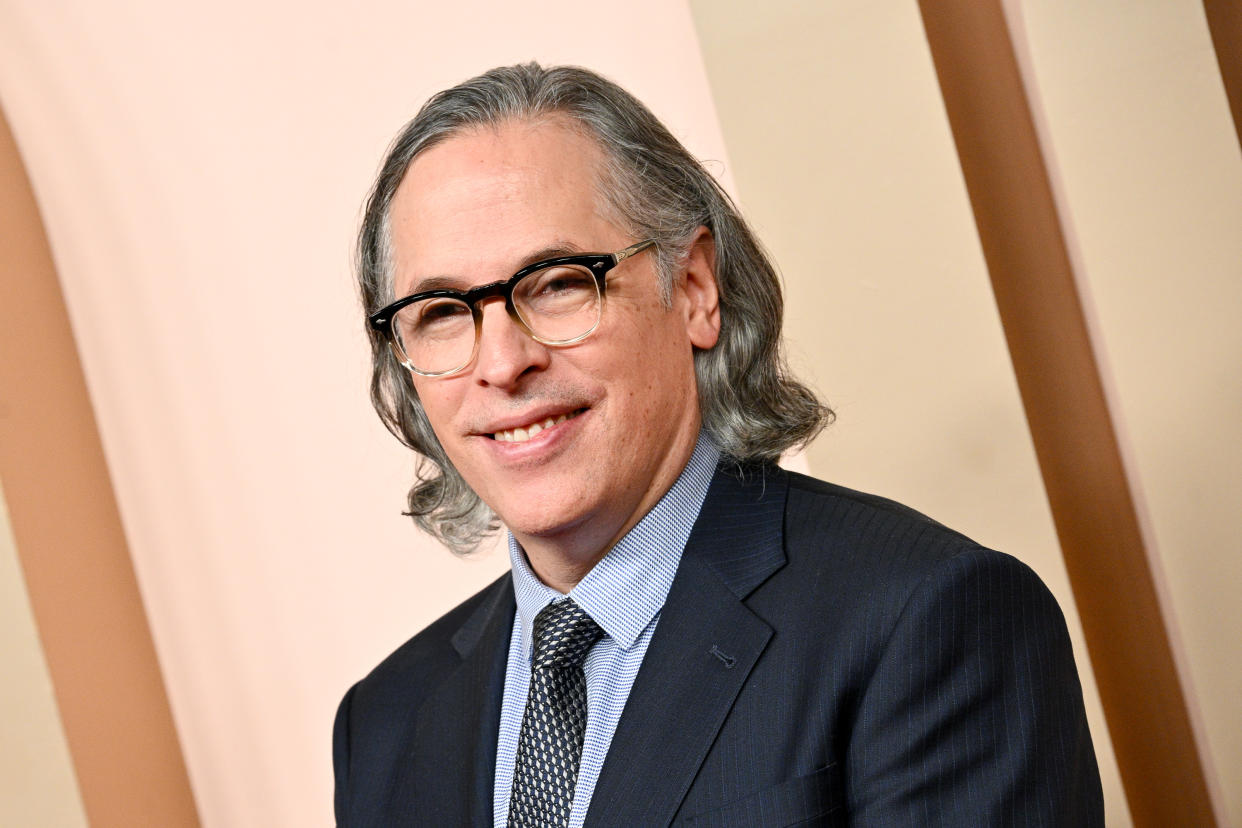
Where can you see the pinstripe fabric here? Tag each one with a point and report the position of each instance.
(623, 593)
(823, 657)
(892, 672)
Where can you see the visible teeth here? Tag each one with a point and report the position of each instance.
(521, 435)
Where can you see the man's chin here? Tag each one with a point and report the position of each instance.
(574, 533)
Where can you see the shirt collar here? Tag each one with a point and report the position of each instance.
(627, 588)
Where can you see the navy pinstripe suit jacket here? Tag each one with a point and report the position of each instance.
(825, 657)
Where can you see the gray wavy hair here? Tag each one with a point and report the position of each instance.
(750, 405)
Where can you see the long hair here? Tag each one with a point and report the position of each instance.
(654, 189)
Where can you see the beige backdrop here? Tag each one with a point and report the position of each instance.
(844, 158)
(200, 170)
(200, 173)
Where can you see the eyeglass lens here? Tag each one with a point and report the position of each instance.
(558, 305)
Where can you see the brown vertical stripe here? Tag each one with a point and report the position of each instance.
(1224, 19)
(69, 538)
(1117, 587)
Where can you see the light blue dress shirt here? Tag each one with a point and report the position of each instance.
(624, 593)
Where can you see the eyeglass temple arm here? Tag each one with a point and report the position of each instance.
(622, 255)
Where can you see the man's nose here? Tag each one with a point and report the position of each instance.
(505, 351)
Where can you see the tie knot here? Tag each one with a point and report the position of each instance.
(563, 635)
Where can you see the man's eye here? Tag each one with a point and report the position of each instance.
(556, 284)
(559, 285)
(434, 310)
(435, 317)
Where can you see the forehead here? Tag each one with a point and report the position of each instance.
(481, 201)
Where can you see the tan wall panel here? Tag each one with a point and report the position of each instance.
(834, 124)
(1029, 242)
(843, 156)
(94, 631)
(37, 784)
(1224, 19)
(1152, 171)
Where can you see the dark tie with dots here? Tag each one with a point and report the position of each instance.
(550, 745)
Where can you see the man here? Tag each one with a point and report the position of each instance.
(577, 332)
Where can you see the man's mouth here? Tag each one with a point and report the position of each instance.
(527, 432)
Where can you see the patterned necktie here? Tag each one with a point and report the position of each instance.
(550, 745)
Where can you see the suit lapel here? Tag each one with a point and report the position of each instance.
(449, 777)
(704, 647)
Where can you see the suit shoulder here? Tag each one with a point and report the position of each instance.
(377, 719)
(880, 545)
(425, 657)
(821, 505)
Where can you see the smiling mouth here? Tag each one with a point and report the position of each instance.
(521, 435)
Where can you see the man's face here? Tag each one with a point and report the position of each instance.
(622, 404)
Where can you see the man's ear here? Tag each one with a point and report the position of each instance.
(702, 297)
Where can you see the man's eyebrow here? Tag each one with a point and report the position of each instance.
(552, 251)
(436, 283)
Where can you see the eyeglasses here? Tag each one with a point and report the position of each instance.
(556, 302)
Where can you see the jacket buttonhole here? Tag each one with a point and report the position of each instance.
(726, 659)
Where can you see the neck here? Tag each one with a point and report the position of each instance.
(563, 559)
(559, 571)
